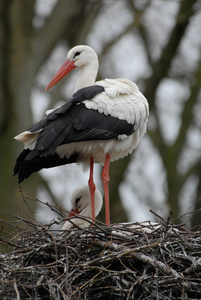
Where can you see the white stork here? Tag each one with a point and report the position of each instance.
(81, 205)
(102, 122)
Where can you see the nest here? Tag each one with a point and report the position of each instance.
(121, 261)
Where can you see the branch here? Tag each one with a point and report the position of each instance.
(187, 114)
(88, 21)
(157, 138)
(137, 14)
(46, 38)
(113, 41)
(136, 23)
(162, 66)
(193, 170)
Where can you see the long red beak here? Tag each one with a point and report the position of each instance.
(73, 212)
(66, 68)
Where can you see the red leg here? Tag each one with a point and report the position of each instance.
(106, 179)
(92, 188)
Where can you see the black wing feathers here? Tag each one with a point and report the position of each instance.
(87, 93)
(24, 168)
(72, 122)
(37, 126)
(53, 132)
(96, 126)
(77, 125)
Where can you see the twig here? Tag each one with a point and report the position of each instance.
(87, 282)
(24, 200)
(16, 290)
(117, 261)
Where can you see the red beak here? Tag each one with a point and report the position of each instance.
(66, 68)
(73, 212)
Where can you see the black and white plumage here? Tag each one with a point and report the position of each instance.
(81, 205)
(102, 122)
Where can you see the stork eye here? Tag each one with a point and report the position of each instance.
(76, 54)
(77, 201)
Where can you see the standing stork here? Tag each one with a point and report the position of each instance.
(102, 122)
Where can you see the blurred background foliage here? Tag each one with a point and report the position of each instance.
(157, 44)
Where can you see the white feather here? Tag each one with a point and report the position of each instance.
(121, 99)
(84, 206)
(28, 138)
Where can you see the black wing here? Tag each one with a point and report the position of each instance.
(73, 122)
(86, 93)
(24, 168)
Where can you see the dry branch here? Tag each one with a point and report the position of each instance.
(123, 261)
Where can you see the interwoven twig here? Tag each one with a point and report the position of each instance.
(122, 261)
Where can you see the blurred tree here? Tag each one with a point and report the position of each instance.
(170, 154)
(26, 41)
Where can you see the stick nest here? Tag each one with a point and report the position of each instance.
(122, 261)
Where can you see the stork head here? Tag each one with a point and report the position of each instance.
(79, 56)
(81, 202)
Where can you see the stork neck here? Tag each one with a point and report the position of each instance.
(87, 75)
